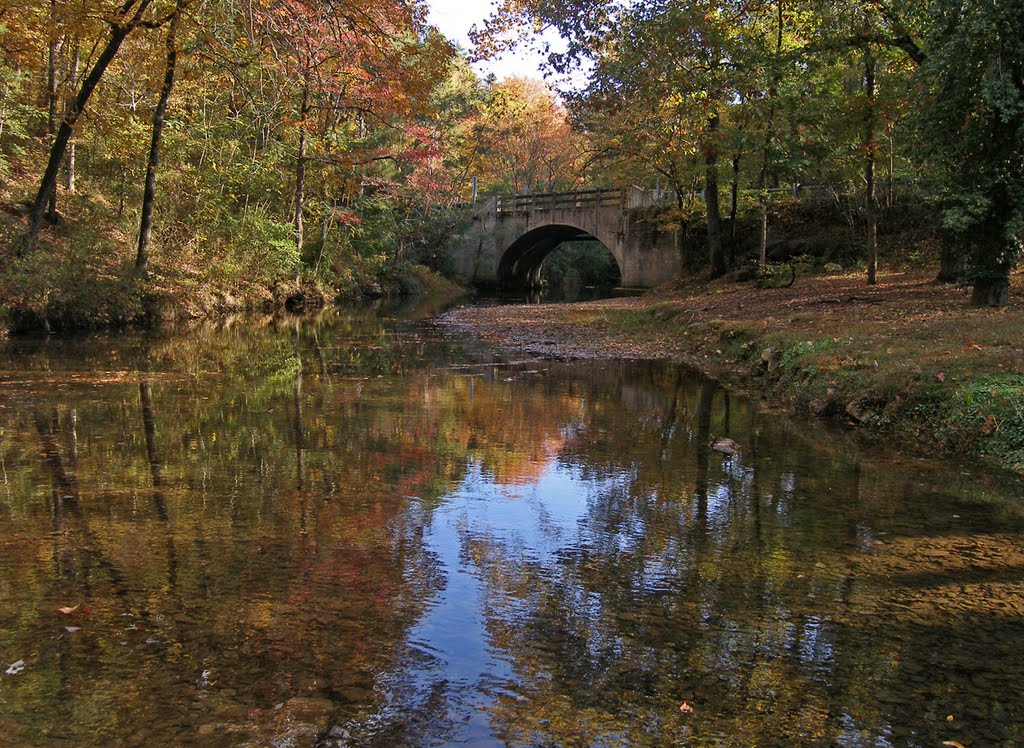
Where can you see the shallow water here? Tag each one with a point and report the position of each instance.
(357, 531)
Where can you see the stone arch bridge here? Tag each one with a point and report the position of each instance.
(511, 236)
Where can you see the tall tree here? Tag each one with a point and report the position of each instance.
(149, 190)
(129, 17)
(973, 125)
(346, 61)
(521, 139)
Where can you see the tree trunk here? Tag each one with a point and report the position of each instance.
(714, 218)
(70, 165)
(51, 98)
(762, 249)
(762, 177)
(952, 262)
(680, 244)
(124, 190)
(48, 185)
(51, 77)
(325, 224)
(300, 180)
(991, 291)
(870, 208)
(734, 194)
(149, 190)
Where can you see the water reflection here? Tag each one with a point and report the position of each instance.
(357, 532)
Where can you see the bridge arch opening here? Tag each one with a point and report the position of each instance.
(522, 264)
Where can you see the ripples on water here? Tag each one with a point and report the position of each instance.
(351, 531)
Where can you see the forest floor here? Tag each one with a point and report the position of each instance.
(906, 358)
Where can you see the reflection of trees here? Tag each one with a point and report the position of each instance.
(737, 596)
(256, 538)
(513, 429)
(152, 456)
(230, 585)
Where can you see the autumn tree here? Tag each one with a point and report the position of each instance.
(521, 139)
(355, 63)
(122, 21)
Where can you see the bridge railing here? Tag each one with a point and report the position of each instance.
(603, 198)
(615, 197)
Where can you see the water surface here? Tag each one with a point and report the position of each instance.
(357, 531)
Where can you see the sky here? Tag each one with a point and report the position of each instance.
(455, 17)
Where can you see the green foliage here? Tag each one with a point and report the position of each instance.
(994, 409)
(775, 275)
(973, 126)
(76, 292)
(18, 118)
(582, 264)
(260, 245)
(797, 355)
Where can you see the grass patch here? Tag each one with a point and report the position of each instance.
(993, 408)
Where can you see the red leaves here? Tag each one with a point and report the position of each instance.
(346, 218)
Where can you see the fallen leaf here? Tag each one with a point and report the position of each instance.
(989, 426)
(68, 611)
(953, 744)
(949, 718)
(941, 376)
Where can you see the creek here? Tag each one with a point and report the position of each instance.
(363, 530)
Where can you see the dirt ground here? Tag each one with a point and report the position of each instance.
(905, 308)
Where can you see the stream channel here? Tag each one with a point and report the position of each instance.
(362, 530)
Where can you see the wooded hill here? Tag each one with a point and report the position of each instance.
(208, 155)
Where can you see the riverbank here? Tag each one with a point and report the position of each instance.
(907, 359)
(81, 272)
(78, 280)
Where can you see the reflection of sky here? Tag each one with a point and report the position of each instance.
(531, 524)
(514, 530)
